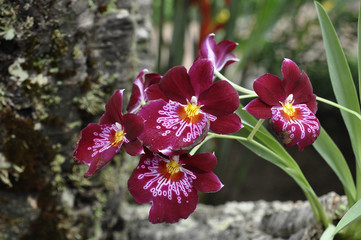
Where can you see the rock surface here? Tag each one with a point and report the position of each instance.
(59, 63)
(259, 220)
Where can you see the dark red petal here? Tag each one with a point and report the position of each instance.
(113, 109)
(133, 126)
(137, 93)
(269, 89)
(227, 124)
(203, 161)
(92, 167)
(172, 200)
(164, 129)
(170, 211)
(220, 99)
(134, 148)
(152, 78)
(154, 93)
(291, 75)
(89, 151)
(224, 57)
(137, 181)
(207, 182)
(302, 89)
(220, 54)
(100, 162)
(208, 48)
(258, 109)
(135, 100)
(312, 104)
(201, 76)
(106, 119)
(176, 85)
(308, 139)
(81, 153)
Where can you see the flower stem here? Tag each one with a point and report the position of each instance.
(236, 86)
(290, 169)
(195, 149)
(338, 106)
(255, 129)
(248, 96)
(160, 35)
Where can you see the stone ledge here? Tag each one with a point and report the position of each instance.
(259, 220)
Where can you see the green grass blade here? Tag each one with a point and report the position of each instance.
(277, 155)
(343, 86)
(328, 234)
(341, 78)
(359, 51)
(329, 151)
(352, 215)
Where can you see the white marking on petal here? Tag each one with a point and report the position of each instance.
(103, 143)
(170, 120)
(307, 122)
(159, 185)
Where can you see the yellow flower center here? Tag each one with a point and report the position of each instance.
(119, 135)
(287, 106)
(173, 166)
(191, 111)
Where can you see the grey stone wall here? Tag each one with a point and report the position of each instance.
(59, 63)
(257, 220)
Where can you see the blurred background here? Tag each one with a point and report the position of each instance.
(61, 60)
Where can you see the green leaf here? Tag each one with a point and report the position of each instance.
(329, 151)
(359, 50)
(352, 215)
(271, 150)
(341, 80)
(264, 136)
(328, 234)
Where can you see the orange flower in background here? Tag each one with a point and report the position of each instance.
(210, 22)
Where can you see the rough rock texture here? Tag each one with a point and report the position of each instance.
(59, 63)
(258, 220)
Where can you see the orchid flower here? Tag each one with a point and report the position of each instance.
(195, 105)
(290, 103)
(140, 90)
(220, 54)
(98, 143)
(171, 183)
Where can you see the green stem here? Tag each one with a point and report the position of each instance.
(248, 96)
(160, 35)
(338, 106)
(255, 129)
(195, 149)
(294, 172)
(236, 86)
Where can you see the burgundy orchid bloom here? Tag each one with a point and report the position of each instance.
(195, 105)
(290, 104)
(98, 143)
(141, 90)
(171, 183)
(220, 54)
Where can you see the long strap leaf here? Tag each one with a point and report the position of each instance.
(343, 85)
(329, 151)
